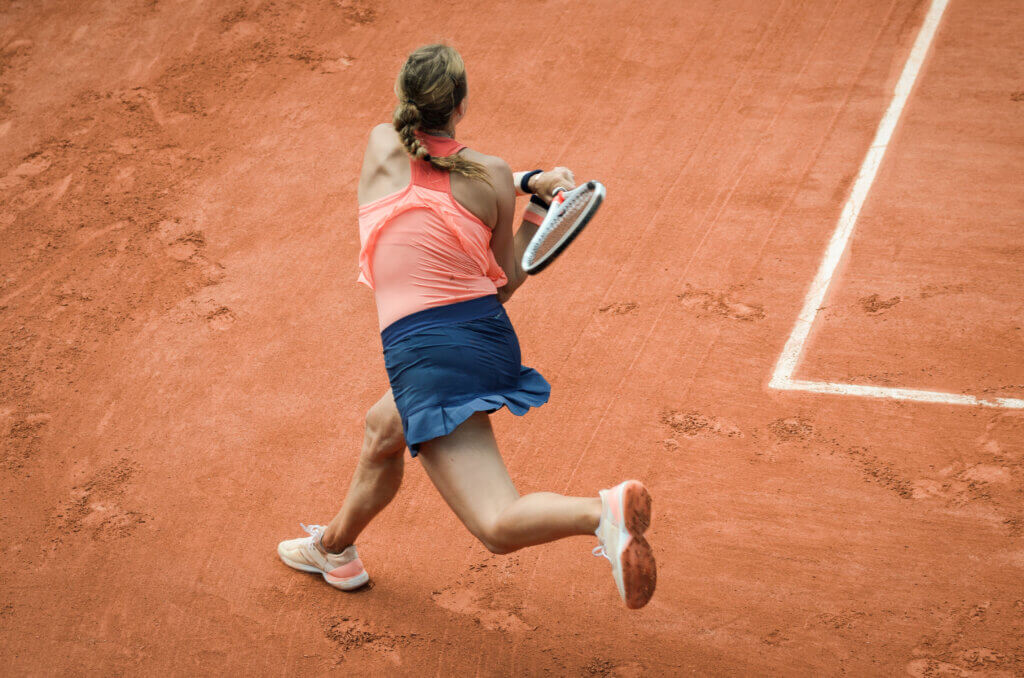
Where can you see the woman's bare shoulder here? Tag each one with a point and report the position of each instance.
(491, 162)
(385, 164)
(495, 166)
(383, 148)
(383, 136)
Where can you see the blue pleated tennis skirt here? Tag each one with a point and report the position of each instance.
(448, 362)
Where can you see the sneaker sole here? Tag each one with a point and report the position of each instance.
(639, 570)
(350, 584)
(636, 508)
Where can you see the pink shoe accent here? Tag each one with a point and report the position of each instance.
(615, 503)
(348, 570)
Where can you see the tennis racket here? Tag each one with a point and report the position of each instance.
(569, 213)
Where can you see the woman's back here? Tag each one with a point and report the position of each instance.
(421, 246)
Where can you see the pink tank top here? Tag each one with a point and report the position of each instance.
(420, 248)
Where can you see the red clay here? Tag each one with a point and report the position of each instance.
(930, 296)
(185, 357)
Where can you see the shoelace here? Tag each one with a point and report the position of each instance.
(313, 530)
(317, 534)
(599, 551)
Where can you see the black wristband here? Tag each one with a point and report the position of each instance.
(524, 183)
(537, 200)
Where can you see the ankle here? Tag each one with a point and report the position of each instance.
(332, 546)
(593, 515)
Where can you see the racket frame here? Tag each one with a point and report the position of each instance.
(560, 197)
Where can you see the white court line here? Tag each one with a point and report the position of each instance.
(782, 377)
(901, 394)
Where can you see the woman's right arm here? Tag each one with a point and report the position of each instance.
(544, 185)
(503, 242)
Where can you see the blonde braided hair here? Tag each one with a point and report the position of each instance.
(430, 85)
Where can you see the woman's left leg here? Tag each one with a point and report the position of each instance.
(377, 477)
(468, 471)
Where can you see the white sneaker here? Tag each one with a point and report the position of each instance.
(625, 515)
(341, 570)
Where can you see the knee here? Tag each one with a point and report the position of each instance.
(495, 540)
(382, 436)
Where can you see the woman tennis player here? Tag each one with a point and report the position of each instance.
(438, 250)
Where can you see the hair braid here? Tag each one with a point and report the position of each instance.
(408, 121)
(431, 84)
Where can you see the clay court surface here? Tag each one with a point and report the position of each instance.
(185, 358)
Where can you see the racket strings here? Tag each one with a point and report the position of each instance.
(570, 211)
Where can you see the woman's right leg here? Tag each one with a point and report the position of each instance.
(468, 471)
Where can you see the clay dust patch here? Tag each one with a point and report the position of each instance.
(878, 472)
(187, 245)
(32, 165)
(266, 35)
(957, 484)
(599, 667)
(969, 641)
(875, 305)
(13, 59)
(322, 62)
(929, 291)
(79, 260)
(840, 621)
(1017, 96)
(993, 476)
(982, 657)
(1004, 437)
(95, 506)
(791, 429)
(481, 608)
(775, 638)
(20, 438)
(204, 310)
(695, 424)
(350, 634)
(1006, 390)
(233, 17)
(486, 596)
(934, 668)
(720, 304)
(604, 667)
(960, 484)
(221, 318)
(18, 46)
(359, 12)
(619, 308)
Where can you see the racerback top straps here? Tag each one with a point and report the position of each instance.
(426, 175)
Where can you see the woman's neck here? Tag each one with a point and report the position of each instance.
(448, 131)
